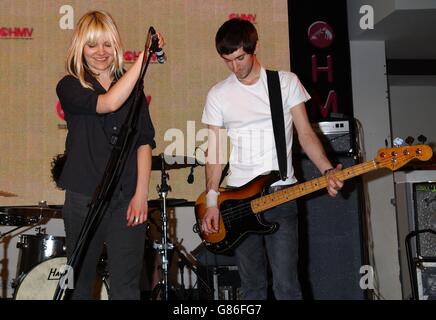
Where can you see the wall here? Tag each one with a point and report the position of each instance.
(415, 5)
(371, 108)
(32, 63)
(412, 108)
(31, 131)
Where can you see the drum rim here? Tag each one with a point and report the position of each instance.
(42, 236)
(23, 275)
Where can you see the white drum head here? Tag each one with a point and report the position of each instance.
(41, 282)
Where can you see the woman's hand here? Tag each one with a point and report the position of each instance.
(137, 211)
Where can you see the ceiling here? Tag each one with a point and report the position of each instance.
(409, 34)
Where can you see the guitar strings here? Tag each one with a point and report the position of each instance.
(244, 209)
(237, 212)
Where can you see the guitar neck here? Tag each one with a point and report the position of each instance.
(274, 199)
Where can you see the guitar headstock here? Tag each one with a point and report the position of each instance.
(395, 158)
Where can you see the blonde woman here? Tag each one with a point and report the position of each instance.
(95, 97)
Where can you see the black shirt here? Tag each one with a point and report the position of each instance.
(88, 145)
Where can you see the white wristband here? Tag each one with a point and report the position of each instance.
(212, 198)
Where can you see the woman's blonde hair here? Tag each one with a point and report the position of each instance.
(91, 27)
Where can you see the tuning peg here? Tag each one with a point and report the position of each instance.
(398, 142)
(422, 138)
(410, 140)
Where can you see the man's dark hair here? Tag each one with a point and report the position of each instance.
(234, 34)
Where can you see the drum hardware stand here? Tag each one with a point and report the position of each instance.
(2, 235)
(165, 245)
(43, 204)
(41, 230)
(185, 262)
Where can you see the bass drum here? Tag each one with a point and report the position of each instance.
(41, 282)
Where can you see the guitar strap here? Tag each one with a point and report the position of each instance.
(224, 173)
(278, 121)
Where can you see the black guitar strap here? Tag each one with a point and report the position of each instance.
(278, 121)
(224, 173)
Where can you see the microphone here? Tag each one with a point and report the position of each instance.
(160, 55)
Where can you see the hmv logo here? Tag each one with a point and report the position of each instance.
(245, 16)
(16, 33)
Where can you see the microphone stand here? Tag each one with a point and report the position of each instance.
(165, 245)
(122, 146)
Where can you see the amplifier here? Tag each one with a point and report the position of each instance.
(425, 218)
(336, 136)
(219, 283)
(426, 280)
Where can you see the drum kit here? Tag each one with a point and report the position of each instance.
(41, 257)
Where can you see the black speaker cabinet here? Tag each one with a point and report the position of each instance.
(331, 233)
(426, 280)
(425, 218)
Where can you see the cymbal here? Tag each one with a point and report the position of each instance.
(7, 194)
(173, 162)
(171, 202)
(46, 212)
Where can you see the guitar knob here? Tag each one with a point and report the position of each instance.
(398, 142)
(422, 139)
(410, 140)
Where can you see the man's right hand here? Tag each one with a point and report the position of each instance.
(210, 222)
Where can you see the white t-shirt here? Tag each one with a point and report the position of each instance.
(245, 112)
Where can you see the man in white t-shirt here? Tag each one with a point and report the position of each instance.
(240, 104)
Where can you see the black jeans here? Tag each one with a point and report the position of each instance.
(281, 248)
(125, 247)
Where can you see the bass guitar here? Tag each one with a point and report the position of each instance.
(241, 208)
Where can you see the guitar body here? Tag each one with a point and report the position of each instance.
(237, 219)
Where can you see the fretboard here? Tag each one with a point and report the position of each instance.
(274, 199)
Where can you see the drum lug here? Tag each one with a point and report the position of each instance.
(15, 282)
(22, 243)
(41, 231)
